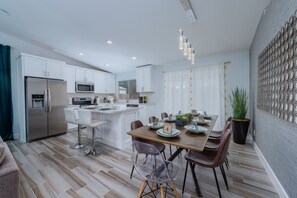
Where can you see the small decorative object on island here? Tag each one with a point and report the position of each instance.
(240, 124)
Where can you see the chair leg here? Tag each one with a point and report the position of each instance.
(133, 166)
(224, 176)
(218, 186)
(170, 150)
(164, 155)
(172, 185)
(78, 145)
(92, 150)
(192, 166)
(162, 191)
(185, 177)
(141, 188)
(227, 163)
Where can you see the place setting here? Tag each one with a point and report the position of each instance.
(168, 131)
(195, 128)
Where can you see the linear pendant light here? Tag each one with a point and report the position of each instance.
(186, 47)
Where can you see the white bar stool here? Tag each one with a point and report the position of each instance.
(85, 118)
(70, 117)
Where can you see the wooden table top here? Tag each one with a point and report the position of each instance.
(186, 139)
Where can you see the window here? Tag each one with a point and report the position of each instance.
(201, 88)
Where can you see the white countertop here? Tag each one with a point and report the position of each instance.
(115, 110)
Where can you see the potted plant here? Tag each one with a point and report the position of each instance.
(240, 124)
(182, 120)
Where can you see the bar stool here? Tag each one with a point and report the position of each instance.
(85, 118)
(70, 117)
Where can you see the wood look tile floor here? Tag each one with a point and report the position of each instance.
(49, 168)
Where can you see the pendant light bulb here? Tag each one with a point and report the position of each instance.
(190, 52)
(185, 47)
(193, 57)
(181, 39)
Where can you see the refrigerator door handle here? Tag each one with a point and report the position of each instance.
(45, 100)
(49, 100)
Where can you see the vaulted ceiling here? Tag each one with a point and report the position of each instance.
(146, 29)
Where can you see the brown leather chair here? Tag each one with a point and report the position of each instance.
(213, 144)
(161, 147)
(164, 115)
(152, 119)
(210, 159)
(218, 134)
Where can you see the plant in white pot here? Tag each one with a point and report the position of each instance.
(240, 124)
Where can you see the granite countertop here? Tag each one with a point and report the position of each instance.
(114, 110)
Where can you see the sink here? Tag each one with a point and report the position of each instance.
(104, 109)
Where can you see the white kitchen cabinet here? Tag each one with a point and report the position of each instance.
(104, 82)
(144, 82)
(84, 75)
(99, 81)
(145, 111)
(110, 83)
(41, 67)
(69, 76)
(55, 69)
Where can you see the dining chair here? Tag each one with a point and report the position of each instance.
(209, 159)
(152, 119)
(218, 134)
(161, 147)
(85, 118)
(212, 144)
(71, 117)
(164, 115)
(157, 174)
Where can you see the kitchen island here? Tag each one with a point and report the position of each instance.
(119, 120)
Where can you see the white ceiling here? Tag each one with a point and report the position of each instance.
(147, 29)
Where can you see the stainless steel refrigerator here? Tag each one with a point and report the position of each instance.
(45, 103)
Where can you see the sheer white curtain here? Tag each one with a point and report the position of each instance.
(208, 91)
(177, 91)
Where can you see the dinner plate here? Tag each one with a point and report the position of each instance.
(174, 133)
(157, 126)
(200, 121)
(194, 129)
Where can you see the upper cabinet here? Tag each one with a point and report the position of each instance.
(84, 75)
(41, 67)
(110, 83)
(144, 82)
(104, 82)
(69, 76)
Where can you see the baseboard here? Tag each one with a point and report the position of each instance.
(279, 188)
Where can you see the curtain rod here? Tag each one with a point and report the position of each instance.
(181, 68)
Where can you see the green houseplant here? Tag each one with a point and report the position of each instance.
(240, 124)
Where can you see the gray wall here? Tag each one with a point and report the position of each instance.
(276, 139)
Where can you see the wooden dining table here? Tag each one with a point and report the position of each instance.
(186, 140)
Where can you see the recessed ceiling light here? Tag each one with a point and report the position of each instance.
(81, 54)
(134, 58)
(109, 42)
(5, 12)
(107, 65)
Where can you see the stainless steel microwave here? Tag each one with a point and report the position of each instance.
(82, 87)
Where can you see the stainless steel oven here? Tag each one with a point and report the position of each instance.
(82, 87)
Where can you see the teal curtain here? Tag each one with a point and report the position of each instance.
(5, 94)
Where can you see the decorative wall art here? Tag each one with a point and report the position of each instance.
(277, 74)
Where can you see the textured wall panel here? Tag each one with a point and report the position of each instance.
(275, 137)
(277, 74)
